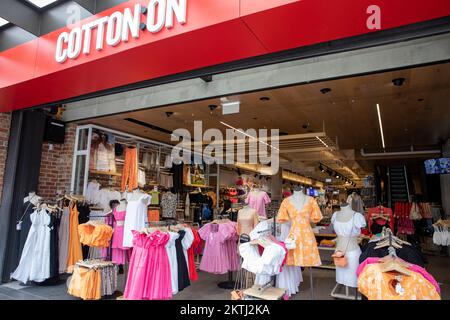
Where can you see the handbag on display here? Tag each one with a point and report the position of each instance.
(339, 258)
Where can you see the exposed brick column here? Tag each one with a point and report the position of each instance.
(56, 166)
(5, 124)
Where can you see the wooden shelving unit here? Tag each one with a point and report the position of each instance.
(106, 173)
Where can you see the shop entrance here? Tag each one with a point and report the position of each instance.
(364, 137)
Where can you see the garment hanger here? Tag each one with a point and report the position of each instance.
(392, 263)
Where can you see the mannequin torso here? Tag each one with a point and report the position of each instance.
(136, 195)
(345, 215)
(299, 200)
(247, 220)
(122, 206)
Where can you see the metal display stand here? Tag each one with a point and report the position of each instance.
(347, 296)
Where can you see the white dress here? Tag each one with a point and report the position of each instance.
(34, 263)
(135, 218)
(347, 276)
(172, 255)
(291, 276)
(186, 242)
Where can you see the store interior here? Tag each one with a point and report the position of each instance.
(357, 144)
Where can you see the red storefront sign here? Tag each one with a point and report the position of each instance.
(214, 32)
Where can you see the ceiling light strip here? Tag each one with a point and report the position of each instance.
(381, 126)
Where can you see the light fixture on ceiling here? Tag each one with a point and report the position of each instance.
(398, 82)
(169, 114)
(250, 136)
(3, 22)
(337, 175)
(323, 142)
(41, 3)
(264, 98)
(212, 107)
(325, 90)
(321, 168)
(381, 126)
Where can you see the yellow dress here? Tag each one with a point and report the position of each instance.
(377, 285)
(305, 253)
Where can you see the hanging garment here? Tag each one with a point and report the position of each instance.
(187, 207)
(146, 161)
(85, 283)
(258, 200)
(102, 158)
(141, 178)
(95, 235)
(349, 229)
(376, 226)
(135, 218)
(34, 263)
(134, 288)
(27, 210)
(155, 197)
(108, 280)
(169, 205)
(158, 281)
(120, 255)
(168, 162)
(153, 215)
(247, 220)
(220, 253)
(177, 177)
(268, 264)
(378, 285)
(74, 252)
(305, 253)
(406, 252)
(63, 235)
(193, 276)
(166, 180)
(172, 255)
(414, 214)
(291, 276)
(54, 244)
(83, 216)
(130, 170)
(412, 267)
(183, 271)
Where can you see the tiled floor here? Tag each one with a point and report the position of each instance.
(206, 288)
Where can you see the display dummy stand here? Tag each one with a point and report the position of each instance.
(347, 296)
(229, 284)
(311, 282)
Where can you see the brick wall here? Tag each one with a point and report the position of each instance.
(56, 166)
(5, 124)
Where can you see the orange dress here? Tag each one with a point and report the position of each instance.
(377, 285)
(305, 253)
(74, 253)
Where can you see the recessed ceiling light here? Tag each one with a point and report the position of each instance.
(41, 3)
(264, 98)
(398, 82)
(325, 90)
(3, 22)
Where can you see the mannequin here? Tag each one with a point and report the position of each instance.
(298, 198)
(347, 224)
(355, 202)
(136, 195)
(122, 206)
(345, 215)
(247, 220)
(33, 198)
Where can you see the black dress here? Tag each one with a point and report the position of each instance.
(407, 253)
(83, 217)
(183, 271)
(54, 252)
(177, 170)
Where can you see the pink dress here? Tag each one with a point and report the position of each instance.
(149, 276)
(120, 255)
(220, 253)
(258, 201)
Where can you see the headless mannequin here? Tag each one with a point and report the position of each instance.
(299, 199)
(247, 220)
(345, 215)
(136, 195)
(33, 198)
(122, 206)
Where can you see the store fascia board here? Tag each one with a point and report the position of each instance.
(226, 31)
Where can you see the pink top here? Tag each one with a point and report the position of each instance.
(412, 267)
(258, 201)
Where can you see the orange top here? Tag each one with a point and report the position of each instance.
(95, 236)
(377, 285)
(305, 253)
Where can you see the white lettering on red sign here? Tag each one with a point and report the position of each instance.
(118, 27)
